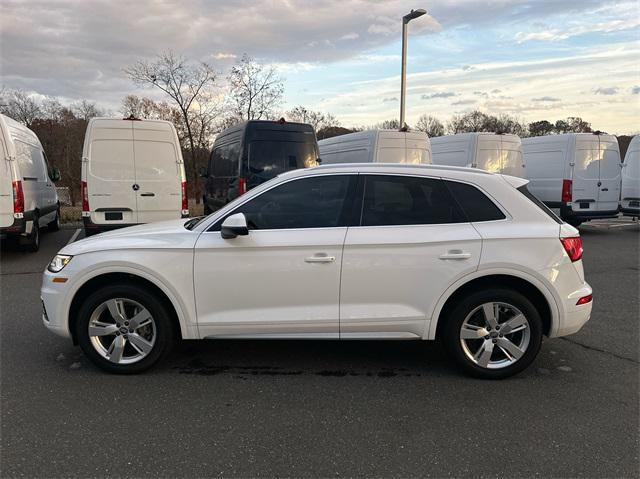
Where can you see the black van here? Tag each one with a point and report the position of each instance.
(253, 152)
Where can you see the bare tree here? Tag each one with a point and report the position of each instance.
(430, 125)
(20, 106)
(479, 121)
(255, 90)
(182, 81)
(85, 110)
(317, 119)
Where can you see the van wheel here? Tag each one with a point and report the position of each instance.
(32, 242)
(55, 224)
(493, 334)
(124, 329)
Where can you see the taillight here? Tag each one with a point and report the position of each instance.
(573, 247)
(242, 186)
(85, 197)
(585, 299)
(18, 198)
(185, 200)
(567, 196)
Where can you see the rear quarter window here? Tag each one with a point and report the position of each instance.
(474, 203)
(525, 191)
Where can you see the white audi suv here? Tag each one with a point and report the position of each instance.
(366, 251)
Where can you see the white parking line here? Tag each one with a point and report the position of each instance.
(75, 235)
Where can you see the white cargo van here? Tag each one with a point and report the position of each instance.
(630, 195)
(498, 153)
(377, 146)
(132, 172)
(28, 197)
(576, 174)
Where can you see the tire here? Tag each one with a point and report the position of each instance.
(103, 348)
(486, 344)
(32, 242)
(55, 224)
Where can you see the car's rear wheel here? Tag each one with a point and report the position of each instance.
(493, 334)
(124, 329)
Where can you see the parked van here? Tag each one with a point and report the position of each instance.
(630, 196)
(132, 172)
(377, 146)
(498, 153)
(28, 197)
(576, 174)
(250, 153)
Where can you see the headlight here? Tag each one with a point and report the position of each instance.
(59, 262)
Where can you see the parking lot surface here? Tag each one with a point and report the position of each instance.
(325, 408)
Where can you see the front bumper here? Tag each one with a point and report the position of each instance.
(53, 296)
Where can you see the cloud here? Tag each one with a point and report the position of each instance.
(224, 56)
(635, 90)
(440, 94)
(613, 90)
(390, 100)
(350, 36)
(467, 67)
(483, 94)
(465, 102)
(557, 34)
(546, 99)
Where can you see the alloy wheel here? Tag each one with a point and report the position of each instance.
(122, 331)
(495, 335)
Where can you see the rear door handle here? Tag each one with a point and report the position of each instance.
(147, 194)
(455, 254)
(320, 258)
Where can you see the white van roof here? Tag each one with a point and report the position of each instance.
(567, 138)
(472, 135)
(369, 135)
(13, 130)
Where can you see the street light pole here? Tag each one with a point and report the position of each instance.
(403, 76)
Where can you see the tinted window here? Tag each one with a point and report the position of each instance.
(404, 200)
(474, 203)
(267, 159)
(306, 203)
(224, 160)
(525, 191)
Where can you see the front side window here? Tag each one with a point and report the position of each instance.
(317, 202)
(406, 200)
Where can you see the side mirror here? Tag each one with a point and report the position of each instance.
(55, 175)
(234, 225)
(202, 171)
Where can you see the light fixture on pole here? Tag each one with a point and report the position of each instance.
(403, 78)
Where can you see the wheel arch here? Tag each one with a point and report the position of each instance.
(118, 277)
(529, 286)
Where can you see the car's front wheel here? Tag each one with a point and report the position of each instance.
(493, 334)
(124, 329)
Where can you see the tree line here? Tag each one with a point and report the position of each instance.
(200, 102)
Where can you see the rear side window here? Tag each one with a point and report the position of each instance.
(474, 203)
(525, 191)
(30, 161)
(406, 200)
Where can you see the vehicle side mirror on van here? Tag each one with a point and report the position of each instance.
(202, 171)
(234, 225)
(55, 175)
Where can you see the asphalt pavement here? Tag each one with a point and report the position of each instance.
(324, 408)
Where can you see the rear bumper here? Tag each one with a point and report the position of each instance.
(575, 316)
(567, 213)
(630, 211)
(18, 227)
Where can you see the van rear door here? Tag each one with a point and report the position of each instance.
(609, 184)
(511, 156)
(111, 173)
(6, 188)
(586, 173)
(158, 165)
(488, 153)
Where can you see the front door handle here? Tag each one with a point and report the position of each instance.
(455, 254)
(320, 258)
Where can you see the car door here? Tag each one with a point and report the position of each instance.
(282, 279)
(610, 180)
(586, 173)
(412, 243)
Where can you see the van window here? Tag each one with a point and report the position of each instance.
(489, 159)
(112, 159)
(511, 162)
(30, 161)
(305, 203)
(267, 159)
(224, 162)
(155, 161)
(407, 200)
(474, 203)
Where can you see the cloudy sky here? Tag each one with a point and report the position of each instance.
(535, 59)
